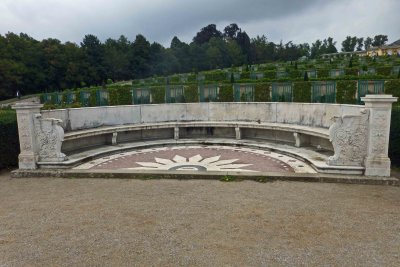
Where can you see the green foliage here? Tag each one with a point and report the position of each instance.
(394, 140)
(392, 87)
(227, 178)
(323, 73)
(262, 92)
(158, 94)
(384, 70)
(346, 92)
(9, 137)
(302, 92)
(351, 71)
(120, 95)
(306, 76)
(225, 93)
(270, 74)
(191, 93)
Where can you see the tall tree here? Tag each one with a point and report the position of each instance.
(231, 31)
(349, 44)
(206, 33)
(360, 43)
(368, 43)
(380, 40)
(140, 57)
(94, 56)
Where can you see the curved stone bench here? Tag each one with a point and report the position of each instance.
(278, 132)
(353, 130)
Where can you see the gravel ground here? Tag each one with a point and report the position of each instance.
(99, 222)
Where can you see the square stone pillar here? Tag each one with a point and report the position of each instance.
(377, 162)
(27, 140)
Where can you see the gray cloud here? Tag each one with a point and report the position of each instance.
(160, 20)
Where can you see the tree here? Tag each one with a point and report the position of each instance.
(243, 40)
(305, 76)
(140, 57)
(231, 31)
(379, 40)
(349, 44)
(367, 43)
(94, 56)
(360, 42)
(206, 33)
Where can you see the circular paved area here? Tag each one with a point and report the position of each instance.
(200, 158)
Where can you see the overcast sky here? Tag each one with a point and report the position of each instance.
(160, 20)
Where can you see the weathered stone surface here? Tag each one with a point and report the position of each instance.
(27, 158)
(348, 135)
(377, 162)
(49, 137)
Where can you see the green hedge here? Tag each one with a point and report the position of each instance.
(392, 87)
(225, 93)
(191, 93)
(262, 92)
(394, 140)
(346, 92)
(384, 71)
(9, 150)
(302, 92)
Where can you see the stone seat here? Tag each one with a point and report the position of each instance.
(297, 135)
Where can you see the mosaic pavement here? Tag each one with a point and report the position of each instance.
(200, 158)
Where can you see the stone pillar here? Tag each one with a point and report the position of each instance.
(238, 133)
(377, 162)
(176, 133)
(27, 140)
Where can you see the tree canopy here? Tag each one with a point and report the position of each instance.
(34, 66)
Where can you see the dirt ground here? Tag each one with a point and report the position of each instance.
(99, 222)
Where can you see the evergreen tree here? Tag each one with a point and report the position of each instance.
(306, 76)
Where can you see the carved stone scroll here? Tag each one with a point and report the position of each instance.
(349, 137)
(49, 136)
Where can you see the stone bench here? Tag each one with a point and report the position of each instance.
(296, 135)
(359, 134)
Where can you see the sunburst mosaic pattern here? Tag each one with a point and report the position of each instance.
(200, 158)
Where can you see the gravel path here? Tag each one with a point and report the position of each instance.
(98, 222)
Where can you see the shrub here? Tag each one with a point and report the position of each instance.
(302, 92)
(394, 140)
(9, 137)
(392, 87)
(346, 92)
(262, 92)
(385, 71)
(191, 93)
(225, 93)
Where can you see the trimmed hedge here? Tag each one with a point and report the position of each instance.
(392, 87)
(346, 92)
(225, 93)
(394, 140)
(191, 93)
(302, 92)
(9, 151)
(262, 92)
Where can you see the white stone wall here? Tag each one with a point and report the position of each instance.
(315, 114)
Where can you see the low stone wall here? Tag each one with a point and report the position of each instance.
(314, 115)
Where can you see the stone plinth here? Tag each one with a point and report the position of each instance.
(26, 130)
(377, 162)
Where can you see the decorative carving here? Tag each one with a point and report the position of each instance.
(379, 126)
(349, 135)
(49, 135)
(23, 129)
